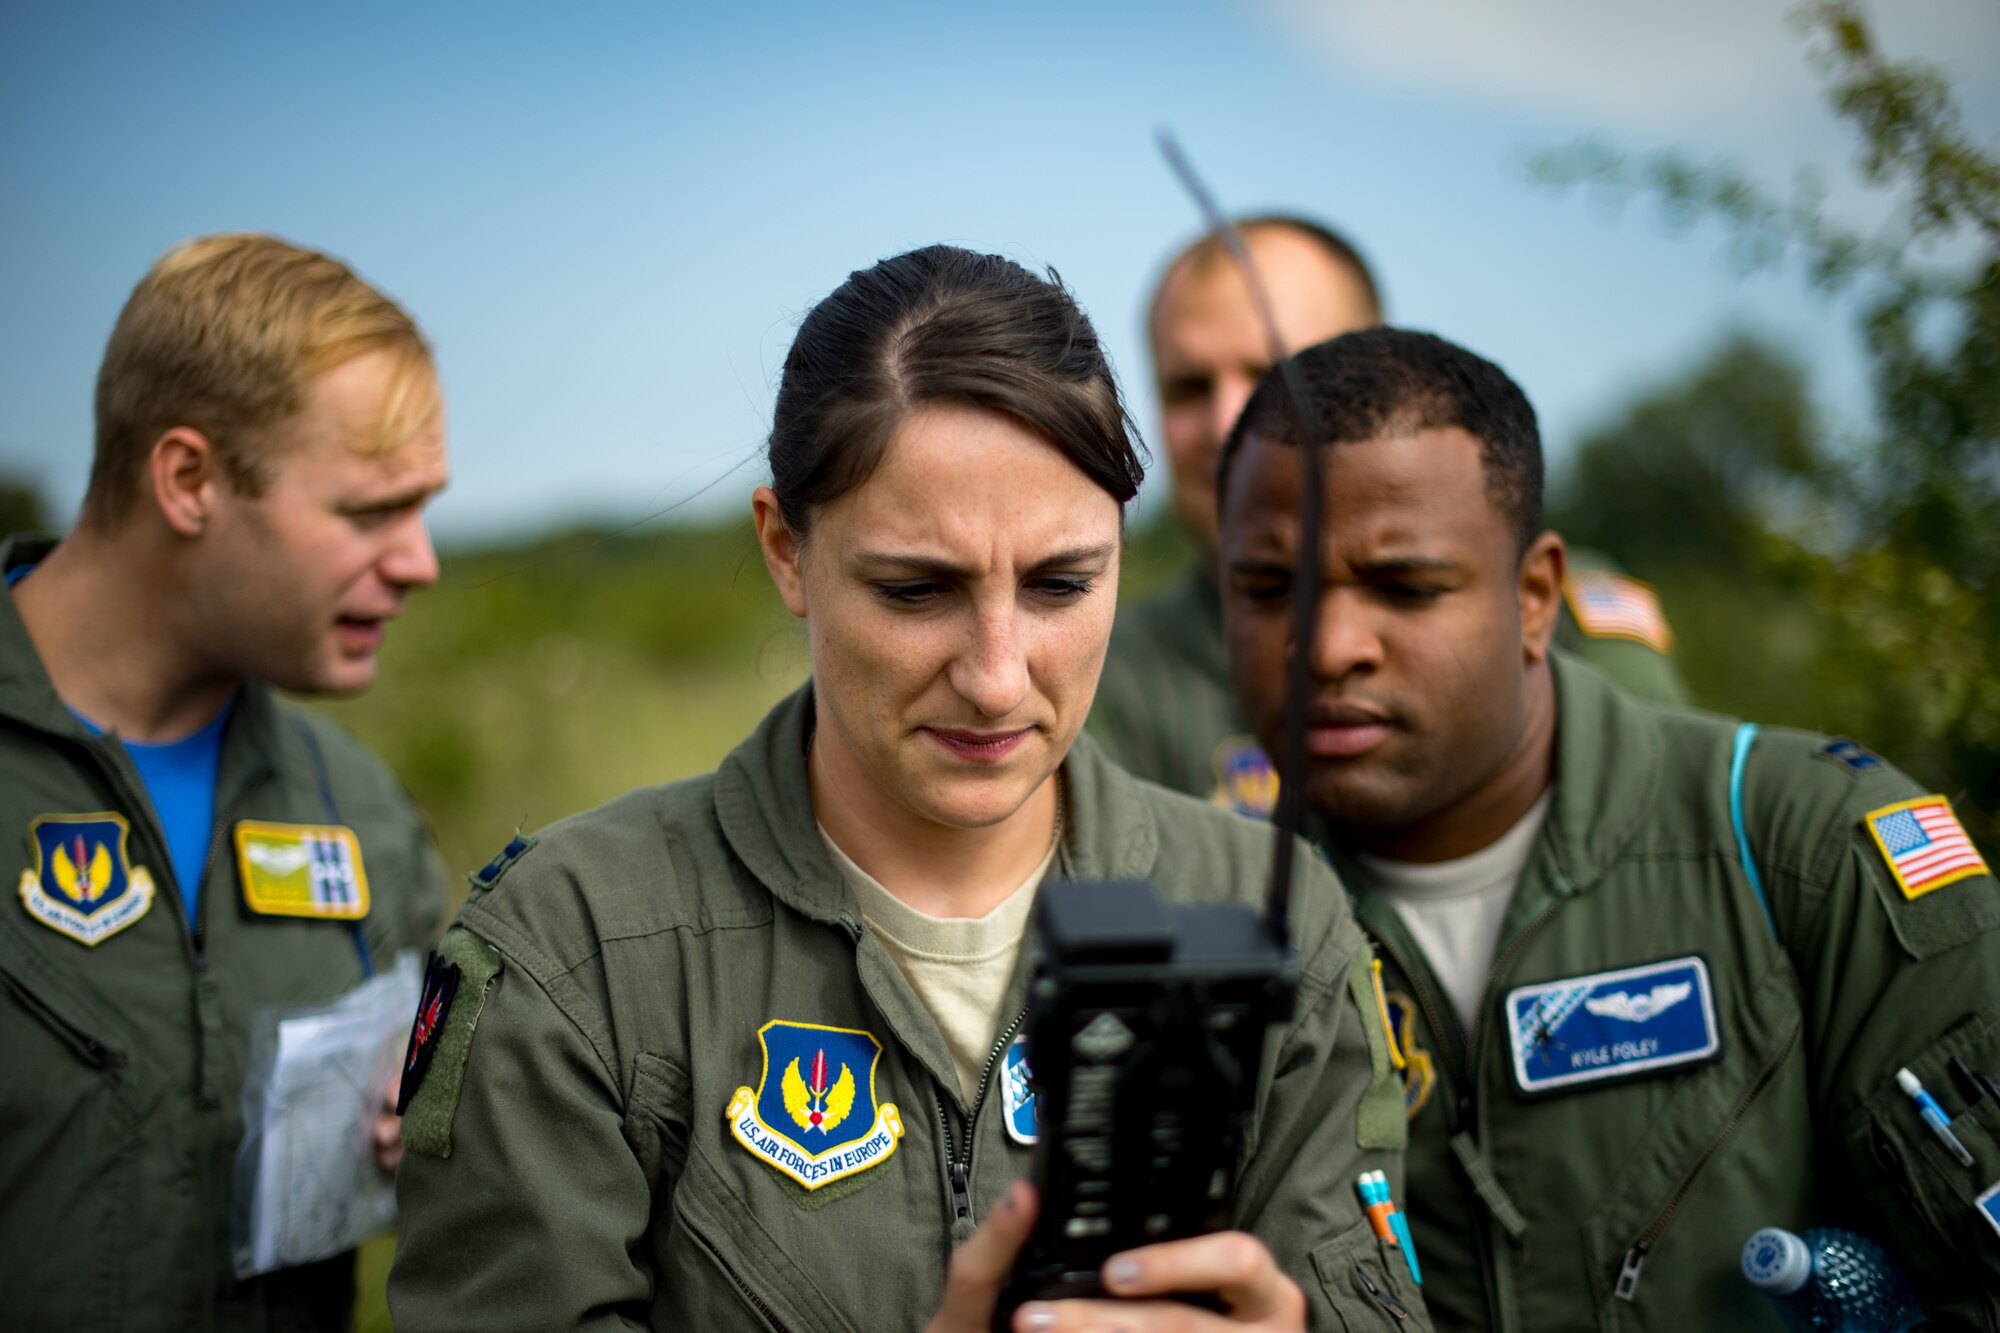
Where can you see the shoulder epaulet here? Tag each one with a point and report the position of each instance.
(489, 874)
(1612, 606)
(1849, 756)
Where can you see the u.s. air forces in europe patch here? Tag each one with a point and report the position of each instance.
(302, 870)
(813, 1115)
(83, 883)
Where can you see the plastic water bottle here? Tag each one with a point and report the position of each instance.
(1830, 1279)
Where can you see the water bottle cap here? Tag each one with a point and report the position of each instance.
(1777, 1261)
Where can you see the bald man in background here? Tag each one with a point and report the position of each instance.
(1166, 708)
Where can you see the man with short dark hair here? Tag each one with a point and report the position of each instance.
(1165, 708)
(189, 852)
(1653, 973)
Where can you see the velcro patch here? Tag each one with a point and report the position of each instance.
(1616, 1025)
(83, 883)
(440, 985)
(432, 1101)
(311, 870)
(489, 874)
(1612, 606)
(1381, 1122)
(1924, 844)
(814, 1116)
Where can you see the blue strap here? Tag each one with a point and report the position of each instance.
(333, 817)
(1746, 736)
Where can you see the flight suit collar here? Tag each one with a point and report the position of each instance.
(1609, 755)
(26, 693)
(764, 806)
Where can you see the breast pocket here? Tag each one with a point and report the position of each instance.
(1941, 1188)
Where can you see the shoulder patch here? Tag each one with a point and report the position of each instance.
(1848, 755)
(489, 874)
(1245, 779)
(1924, 845)
(455, 986)
(1612, 606)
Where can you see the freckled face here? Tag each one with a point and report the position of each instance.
(959, 603)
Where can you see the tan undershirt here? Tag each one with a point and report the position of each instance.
(958, 966)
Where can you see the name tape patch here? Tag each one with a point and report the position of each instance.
(1613, 1025)
(83, 884)
(813, 1115)
(309, 870)
(1017, 1082)
(1988, 1205)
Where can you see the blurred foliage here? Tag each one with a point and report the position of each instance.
(1866, 570)
(22, 508)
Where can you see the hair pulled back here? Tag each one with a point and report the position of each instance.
(941, 325)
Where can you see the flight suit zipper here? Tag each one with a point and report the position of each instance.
(958, 1168)
(1635, 1258)
(1464, 1118)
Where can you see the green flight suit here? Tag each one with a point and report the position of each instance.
(121, 1106)
(1166, 707)
(1527, 1212)
(573, 1162)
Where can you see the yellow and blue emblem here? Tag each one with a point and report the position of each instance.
(1245, 779)
(1418, 1073)
(83, 883)
(310, 870)
(813, 1115)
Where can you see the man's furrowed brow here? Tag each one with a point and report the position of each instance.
(1410, 564)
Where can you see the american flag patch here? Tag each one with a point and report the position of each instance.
(1924, 844)
(1611, 606)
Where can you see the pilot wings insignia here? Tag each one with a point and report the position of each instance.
(814, 1105)
(1630, 1008)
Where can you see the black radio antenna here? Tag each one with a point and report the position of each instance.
(1305, 574)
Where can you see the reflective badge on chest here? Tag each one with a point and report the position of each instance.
(1022, 1125)
(1611, 1026)
(83, 883)
(813, 1115)
(301, 870)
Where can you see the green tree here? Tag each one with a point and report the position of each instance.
(22, 508)
(1895, 536)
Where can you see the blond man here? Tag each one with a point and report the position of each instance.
(189, 851)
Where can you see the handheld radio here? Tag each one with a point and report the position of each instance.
(1147, 1020)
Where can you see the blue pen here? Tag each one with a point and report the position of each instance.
(1374, 1187)
(1933, 1115)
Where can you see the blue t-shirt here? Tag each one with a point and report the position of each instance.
(180, 778)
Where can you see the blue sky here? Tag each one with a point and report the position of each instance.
(609, 218)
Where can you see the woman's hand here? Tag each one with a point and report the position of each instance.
(1232, 1265)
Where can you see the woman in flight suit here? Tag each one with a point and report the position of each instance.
(733, 1052)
